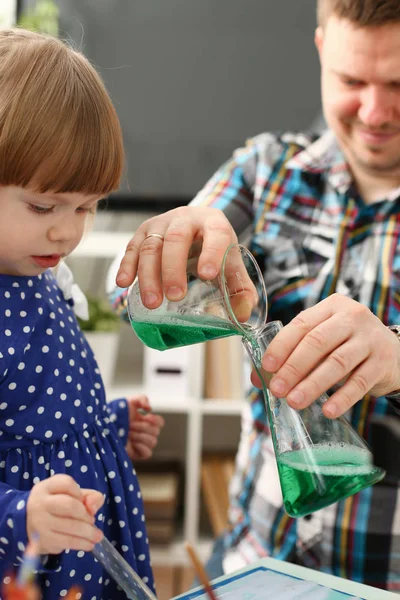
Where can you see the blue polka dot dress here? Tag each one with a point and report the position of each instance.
(54, 419)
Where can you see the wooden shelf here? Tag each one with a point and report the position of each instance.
(173, 404)
(107, 245)
(175, 554)
(102, 244)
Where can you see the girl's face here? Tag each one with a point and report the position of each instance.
(37, 230)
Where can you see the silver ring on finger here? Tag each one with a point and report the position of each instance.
(156, 235)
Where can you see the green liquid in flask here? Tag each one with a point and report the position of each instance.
(310, 479)
(163, 333)
(336, 471)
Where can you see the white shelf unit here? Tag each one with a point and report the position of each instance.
(106, 245)
(102, 244)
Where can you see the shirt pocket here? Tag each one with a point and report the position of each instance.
(388, 282)
(293, 256)
(318, 256)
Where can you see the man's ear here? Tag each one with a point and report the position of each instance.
(319, 40)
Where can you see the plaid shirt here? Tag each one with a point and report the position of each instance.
(312, 235)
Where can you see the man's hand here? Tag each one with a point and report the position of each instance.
(144, 428)
(337, 341)
(161, 264)
(57, 514)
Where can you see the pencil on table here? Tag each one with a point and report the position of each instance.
(74, 593)
(30, 562)
(11, 590)
(22, 586)
(201, 574)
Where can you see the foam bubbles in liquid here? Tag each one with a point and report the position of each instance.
(329, 459)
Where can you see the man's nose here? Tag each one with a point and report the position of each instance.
(377, 106)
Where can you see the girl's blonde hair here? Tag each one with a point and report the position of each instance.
(59, 130)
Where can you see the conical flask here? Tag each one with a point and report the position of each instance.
(203, 313)
(320, 460)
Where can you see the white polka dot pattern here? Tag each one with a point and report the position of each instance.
(54, 419)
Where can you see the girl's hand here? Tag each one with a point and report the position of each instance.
(56, 512)
(144, 429)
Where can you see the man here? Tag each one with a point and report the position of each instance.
(324, 215)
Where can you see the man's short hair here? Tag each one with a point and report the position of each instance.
(360, 12)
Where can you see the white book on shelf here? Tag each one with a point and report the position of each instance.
(177, 372)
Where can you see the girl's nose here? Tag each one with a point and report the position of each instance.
(64, 231)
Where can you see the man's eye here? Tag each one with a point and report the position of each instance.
(41, 210)
(352, 82)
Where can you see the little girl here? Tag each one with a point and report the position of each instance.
(61, 457)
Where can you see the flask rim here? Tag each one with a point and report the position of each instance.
(243, 327)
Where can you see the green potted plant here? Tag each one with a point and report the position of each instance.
(42, 17)
(102, 333)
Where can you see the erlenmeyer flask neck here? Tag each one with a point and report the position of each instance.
(245, 295)
(259, 339)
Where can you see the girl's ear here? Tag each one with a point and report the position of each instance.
(319, 41)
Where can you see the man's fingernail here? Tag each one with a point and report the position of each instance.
(296, 397)
(150, 298)
(174, 293)
(330, 410)
(269, 363)
(208, 271)
(122, 277)
(243, 311)
(278, 387)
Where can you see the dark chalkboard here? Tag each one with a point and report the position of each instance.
(192, 79)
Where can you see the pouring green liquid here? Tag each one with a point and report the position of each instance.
(166, 332)
(323, 471)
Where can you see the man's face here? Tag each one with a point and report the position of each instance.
(361, 93)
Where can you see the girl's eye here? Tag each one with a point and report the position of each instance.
(86, 210)
(41, 210)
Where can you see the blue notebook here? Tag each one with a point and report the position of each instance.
(265, 584)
